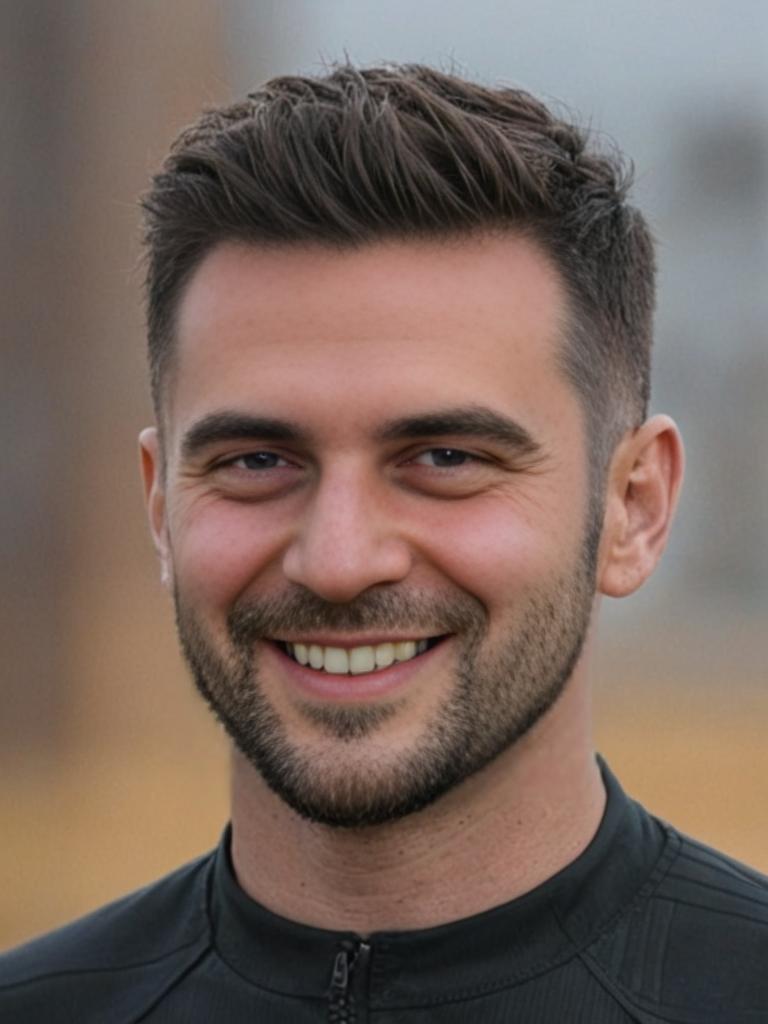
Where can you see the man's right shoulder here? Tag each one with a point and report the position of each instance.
(110, 963)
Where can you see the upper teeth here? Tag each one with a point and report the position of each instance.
(355, 660)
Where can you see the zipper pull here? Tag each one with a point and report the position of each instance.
(340, 976)
(341, 1007)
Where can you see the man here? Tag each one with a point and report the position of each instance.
(399, 330)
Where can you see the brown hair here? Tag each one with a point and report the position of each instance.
(360, 155)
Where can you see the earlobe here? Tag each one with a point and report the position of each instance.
(644, 485)
(154, 496)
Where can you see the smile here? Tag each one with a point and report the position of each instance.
(356, 660)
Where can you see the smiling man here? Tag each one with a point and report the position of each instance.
(399, 333)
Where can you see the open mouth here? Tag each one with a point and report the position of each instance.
(356, 660)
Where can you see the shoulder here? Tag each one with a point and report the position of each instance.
(693, 947)
(114, 960)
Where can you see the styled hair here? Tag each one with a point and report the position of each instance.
(403, 152)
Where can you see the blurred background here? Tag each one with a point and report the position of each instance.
(110, 770)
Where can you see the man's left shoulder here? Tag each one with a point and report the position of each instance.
(693, 947)
(713, 883)
(718, 909)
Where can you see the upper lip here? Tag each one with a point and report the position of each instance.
(353, 640)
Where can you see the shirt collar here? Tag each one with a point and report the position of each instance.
(488, 951)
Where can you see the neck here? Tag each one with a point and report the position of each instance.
(495, 837)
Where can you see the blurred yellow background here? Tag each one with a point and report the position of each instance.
(110, 770)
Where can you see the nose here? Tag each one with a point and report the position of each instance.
(347, 541)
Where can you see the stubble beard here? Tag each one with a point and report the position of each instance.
(497, 695)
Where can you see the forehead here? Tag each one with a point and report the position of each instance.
(379, 329)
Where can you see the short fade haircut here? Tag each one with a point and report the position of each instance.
(401, 152)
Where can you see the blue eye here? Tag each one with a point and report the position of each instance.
(444, 458)
(258, 460)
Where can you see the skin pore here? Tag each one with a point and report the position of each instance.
(320, 450)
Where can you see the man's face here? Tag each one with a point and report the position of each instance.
(375, 512)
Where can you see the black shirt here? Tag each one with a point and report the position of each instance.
(646, 925)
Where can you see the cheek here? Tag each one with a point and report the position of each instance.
(494, 550)
(220, 547)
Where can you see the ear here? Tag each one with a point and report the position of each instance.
(644, 483)
(154, 496)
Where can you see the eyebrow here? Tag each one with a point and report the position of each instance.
(472, 421)
(233, 426)
(466, 421)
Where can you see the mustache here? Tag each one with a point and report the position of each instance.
(301, 611)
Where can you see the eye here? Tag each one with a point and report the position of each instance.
(257, 475)
(446, 472)
(444, 458)
(257, 460)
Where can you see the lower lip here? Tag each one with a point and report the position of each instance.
(366, 686)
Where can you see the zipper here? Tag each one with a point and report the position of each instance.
(347, 981)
